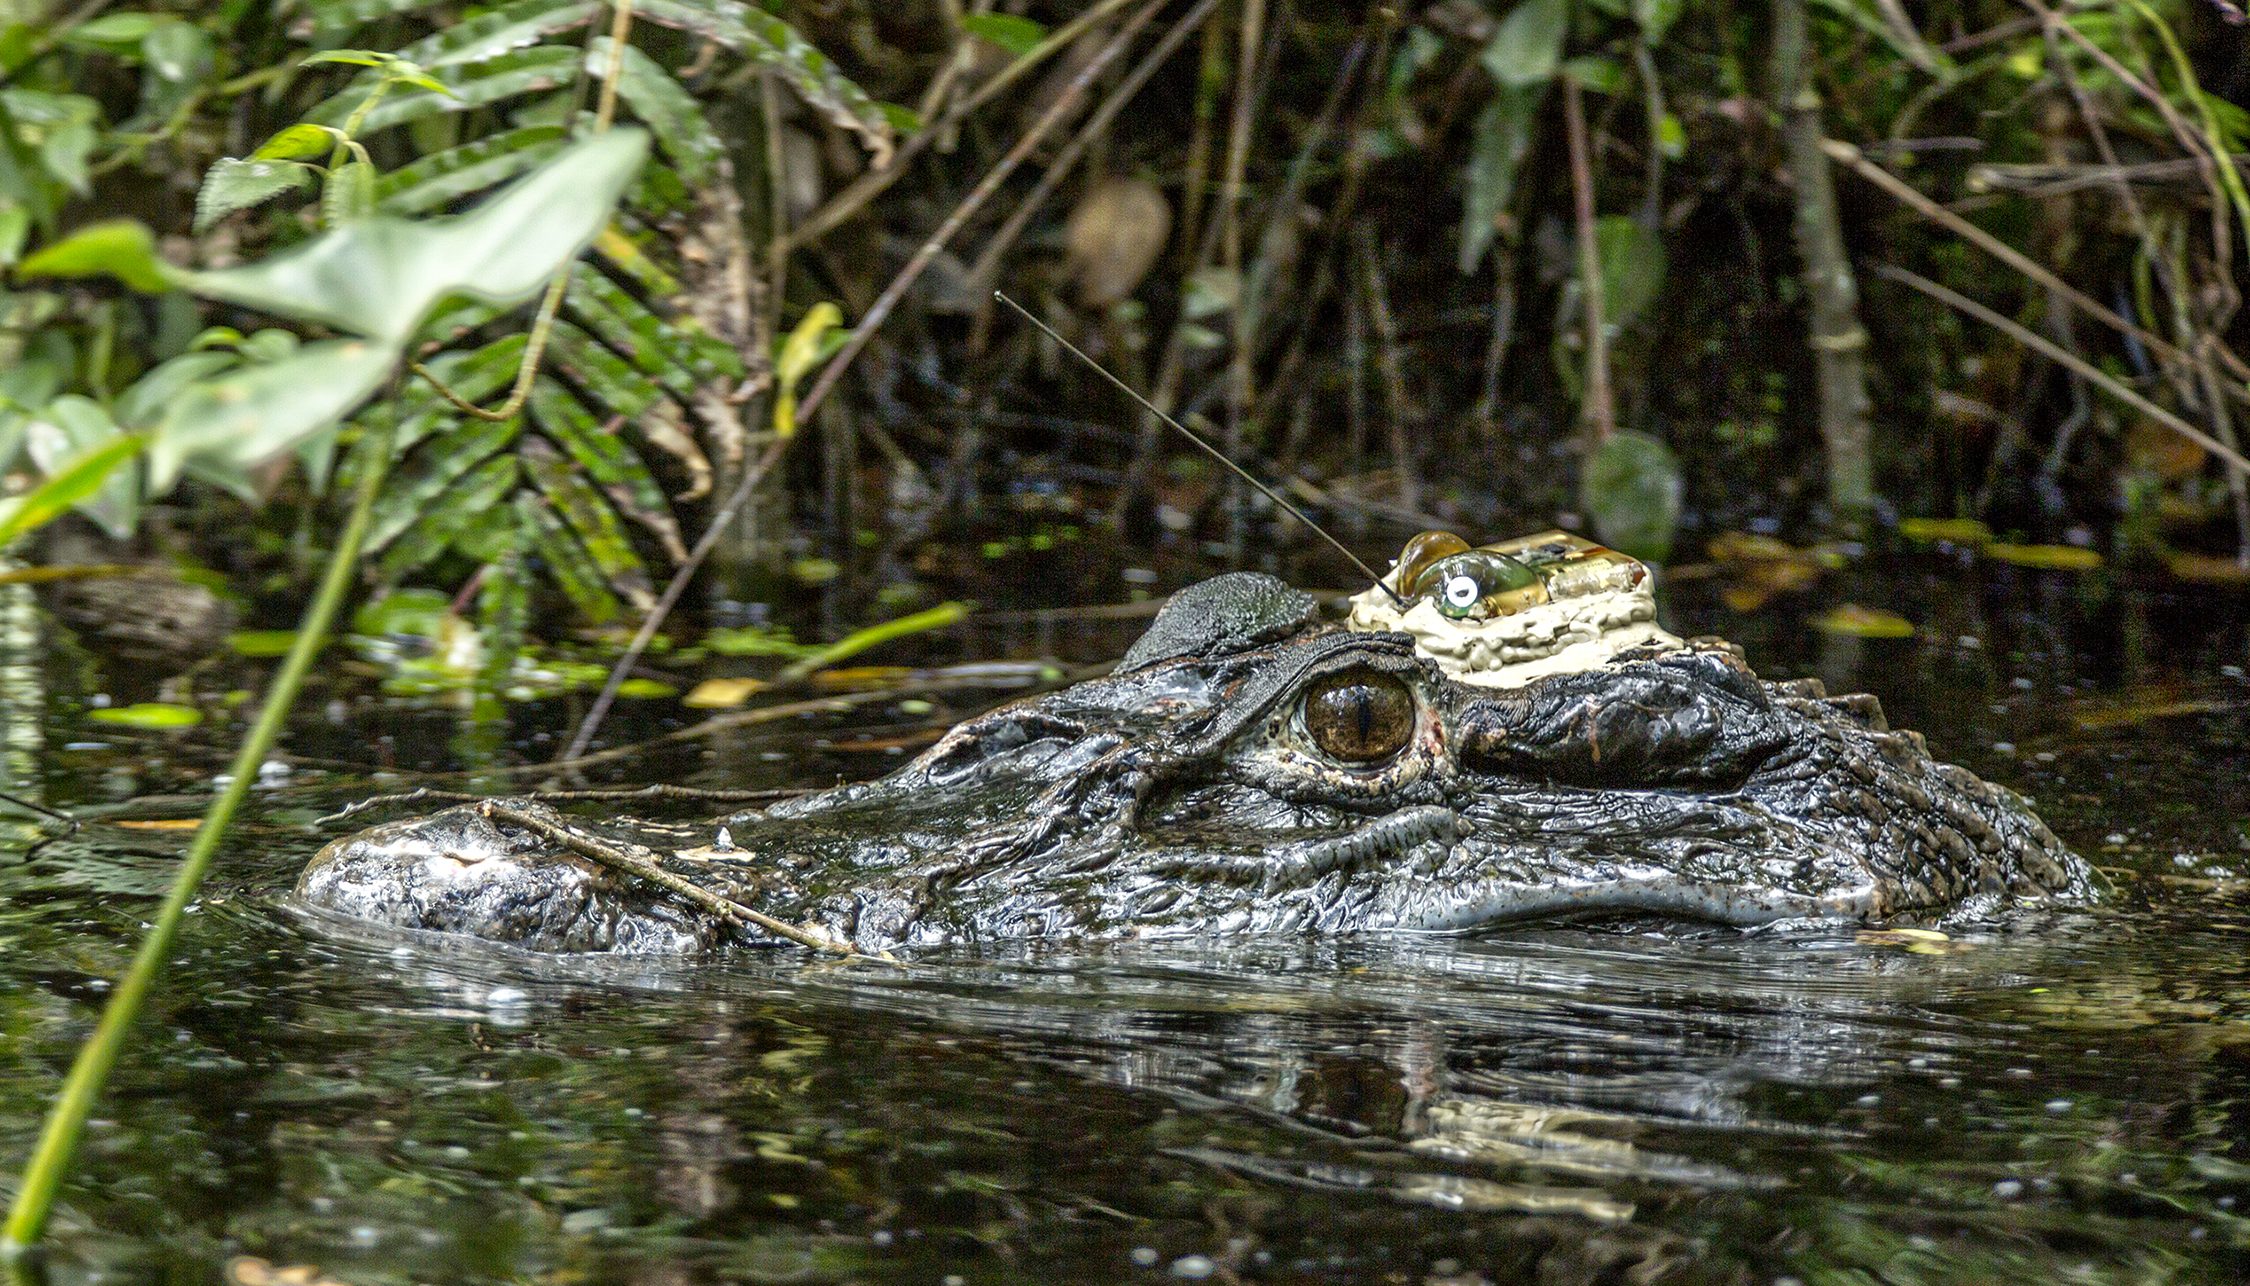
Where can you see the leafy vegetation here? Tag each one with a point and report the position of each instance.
(1638, 216)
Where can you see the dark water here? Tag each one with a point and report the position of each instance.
(2064, 1100)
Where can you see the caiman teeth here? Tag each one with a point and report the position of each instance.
(1385, 837)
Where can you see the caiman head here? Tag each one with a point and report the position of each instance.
(1250, 769)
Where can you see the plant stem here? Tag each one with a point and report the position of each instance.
(66, 1122)
(1838, 341)
(1599, 410)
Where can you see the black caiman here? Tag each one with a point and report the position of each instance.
(1521, 741)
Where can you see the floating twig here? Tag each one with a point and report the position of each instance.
(659, 790)
(619, 858)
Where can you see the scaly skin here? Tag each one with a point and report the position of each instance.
(1184, 795)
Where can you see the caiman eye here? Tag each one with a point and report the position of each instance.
(1359, 716)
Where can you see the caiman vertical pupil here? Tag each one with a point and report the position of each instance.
(1359, 716)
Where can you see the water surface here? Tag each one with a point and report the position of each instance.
(2062, 1098)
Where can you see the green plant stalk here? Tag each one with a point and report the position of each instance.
(66, 1122)
(2214, 138)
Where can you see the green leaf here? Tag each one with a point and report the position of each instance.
(178, 52)
(145, 402)
(438, 180)
(805, 348)
(1019, 36)
(327, 20)
(1656, 17)
(772, 43)
(499, 31)
(350, 194)
(606, 461)
(380, 276)
(299, 143)
(115, 33)
(572, 571)
(609, 381)
(1503, 138)
(242, 419)
(1593, 72)
(120, 248)
(262, 644)
(413, 493)
(669, 111)
(1633, 266)
(1632, 491)
(349, 57)
(591, 520)
(458, 88)
(233, 184)
(1527, 46)
(154, 716)
(73, 481)
(447, 519)
(62, 436)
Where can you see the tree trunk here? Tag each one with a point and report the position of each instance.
(1838, 340)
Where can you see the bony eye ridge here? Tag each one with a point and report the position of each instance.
(1359, 716)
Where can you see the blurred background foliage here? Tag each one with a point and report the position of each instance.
(1678, 272)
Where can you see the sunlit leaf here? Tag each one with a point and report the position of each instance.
(756, 640)
(254, 413)
(116, 33)
(1526, 47)
(722, 694)
(646, 689)
(1632, 492)
(1601, 75)
(299, 143)
(73, 481)
(120, 248)
(1017, 35)
(156, 716)
(349, 57)
(62, 435)
(2052, 558)
(232, 184)
(262, 644)
(806, 347)
(1958, 531)
(178, 51)
(380, 276)
(1864, 622)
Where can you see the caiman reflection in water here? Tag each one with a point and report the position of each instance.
(1520, 742)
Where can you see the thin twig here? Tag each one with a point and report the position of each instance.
(872, 184)
(51, 814)
(987, 265)
(659, 790)
(2055, 352)
(1850, 156)
(622, 860)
